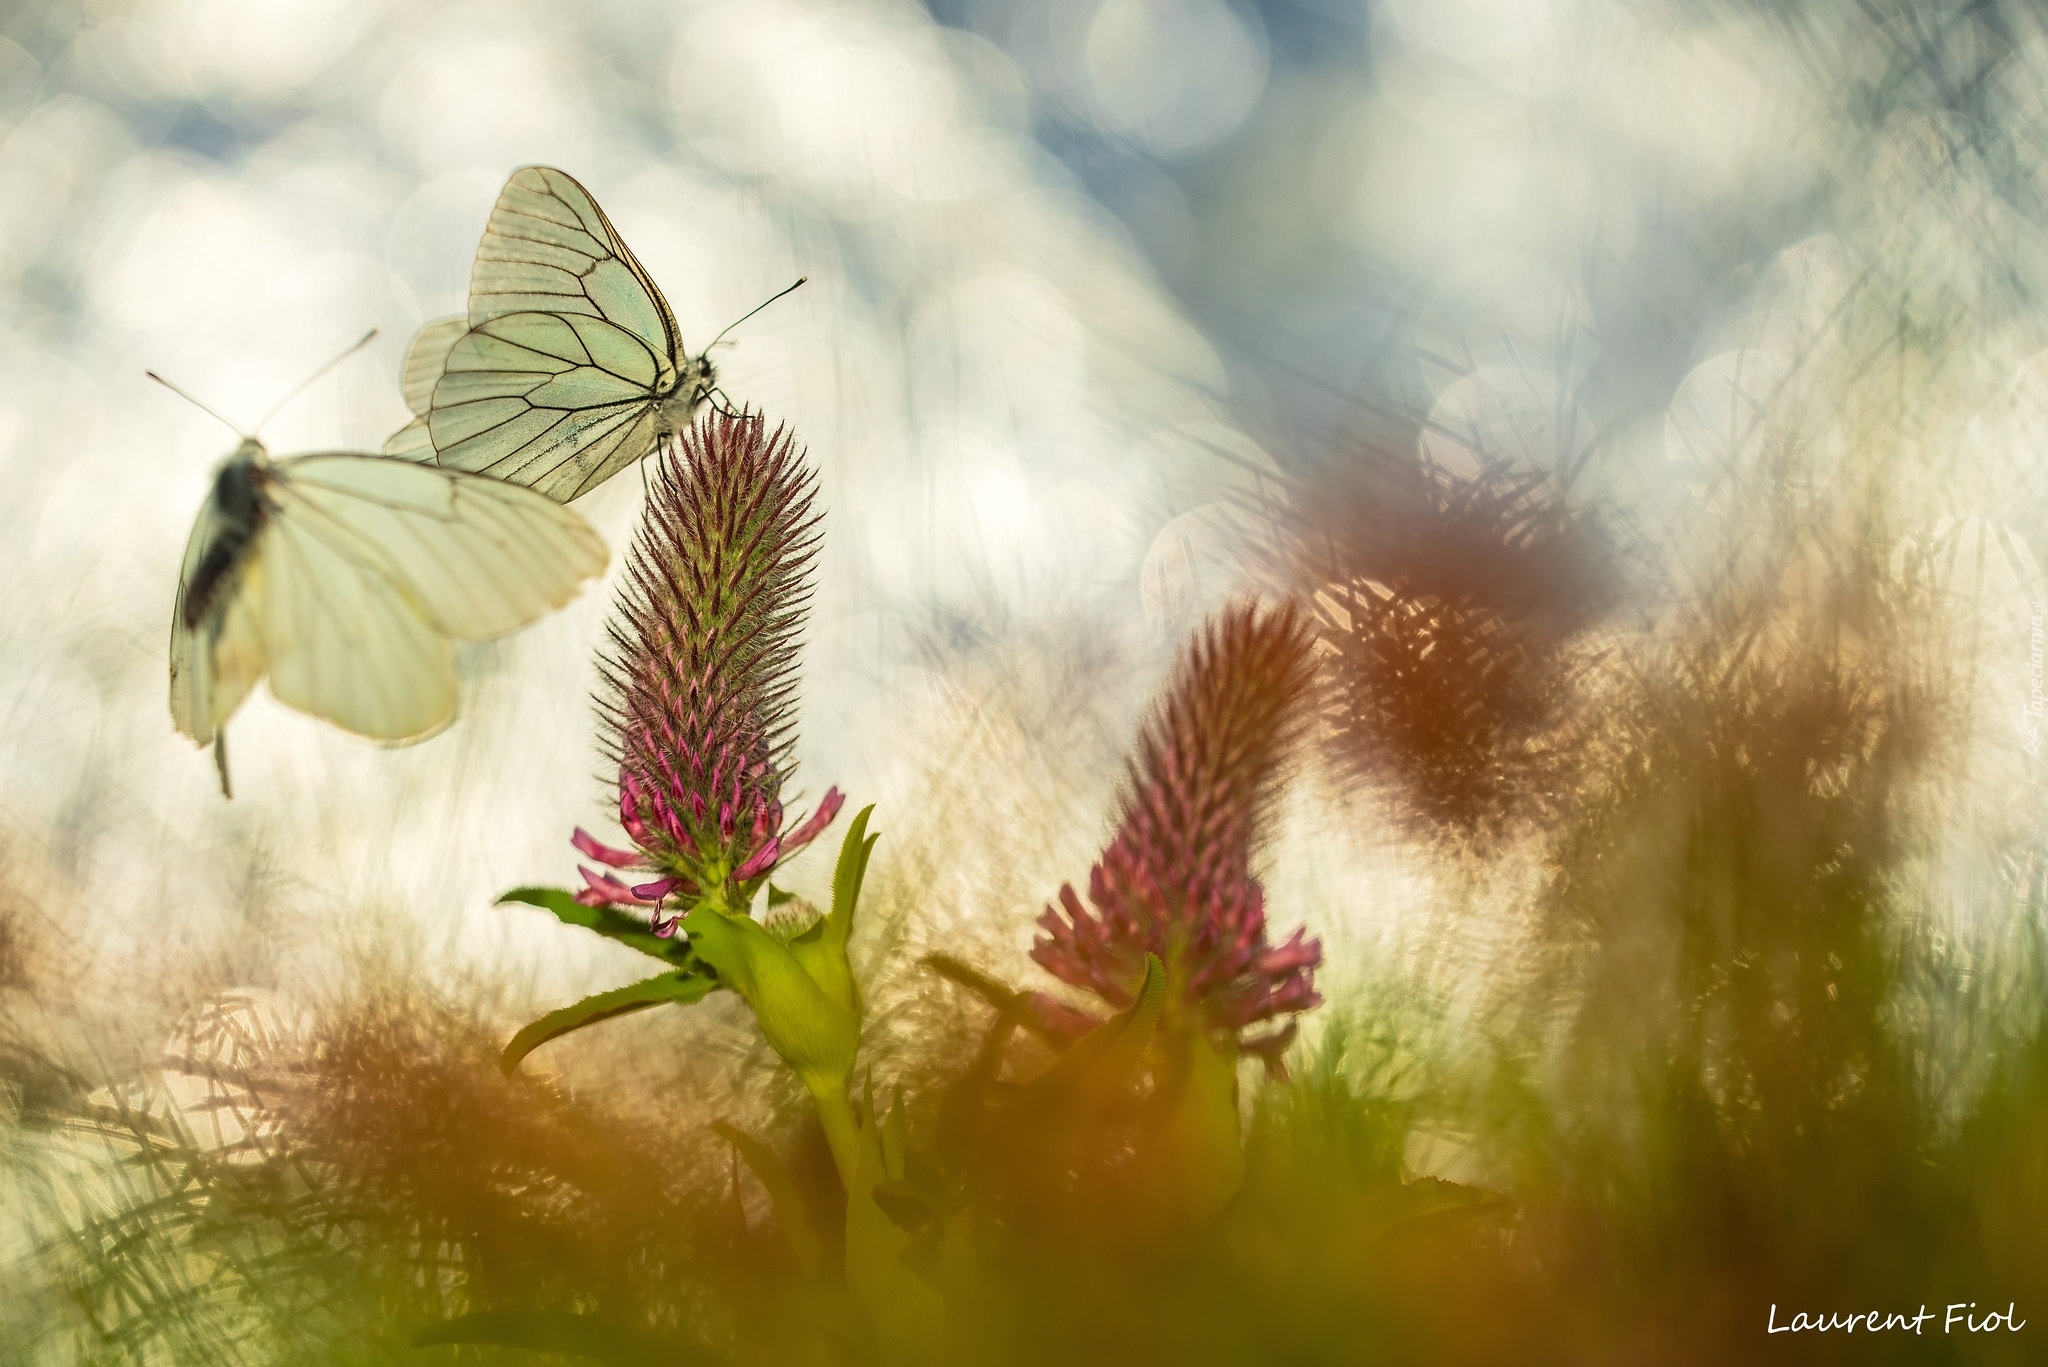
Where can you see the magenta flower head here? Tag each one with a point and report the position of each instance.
(697, 707)
(1176, 880)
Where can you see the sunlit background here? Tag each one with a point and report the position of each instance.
(1105, 297)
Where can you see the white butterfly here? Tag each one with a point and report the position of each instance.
(569, 366)
(345, 578)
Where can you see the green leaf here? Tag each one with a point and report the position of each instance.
(682, 988)
(556, 1331)
(606, 921)
(906, 1204)
(965, 1100)
(1106, 1058)
(784, 1196)
(821, 949)
(1014, 1005)
(895, 1138)
(802, 990)
(812, 1032)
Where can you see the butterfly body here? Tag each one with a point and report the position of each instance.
(237, 508)
(568, 367)
(694, 384)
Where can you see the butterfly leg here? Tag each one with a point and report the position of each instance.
(220, 762)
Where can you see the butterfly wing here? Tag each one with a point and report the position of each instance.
(481, 558)
(372, 565)
(347, 638)
(548, 248)
(425, 358)
(559, 403)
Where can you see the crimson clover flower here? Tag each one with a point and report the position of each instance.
(1176, 879)
(699, 693)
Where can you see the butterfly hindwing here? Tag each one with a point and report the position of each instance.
(557, 404)
(425, 358)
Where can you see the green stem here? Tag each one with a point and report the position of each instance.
(842, 1130)
(832, 1098)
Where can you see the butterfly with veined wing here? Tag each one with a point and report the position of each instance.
(345, 577)
(569, 366)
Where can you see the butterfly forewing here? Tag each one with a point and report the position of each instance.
(549, 249)
(482, 557)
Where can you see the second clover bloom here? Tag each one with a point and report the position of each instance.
(1176, 879)
(699, 676)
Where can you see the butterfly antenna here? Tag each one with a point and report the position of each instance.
(194, 402)
(754, 310)
(302, 386)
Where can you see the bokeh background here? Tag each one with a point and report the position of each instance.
(1694, 353)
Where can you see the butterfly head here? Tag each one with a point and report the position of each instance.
(238, 486)
(694, 384)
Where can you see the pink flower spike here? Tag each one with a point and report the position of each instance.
(605, 854)
(759, 863)
(609, 888)
(698, 690)
(815, 824)
(655, 891)
(1176, 878)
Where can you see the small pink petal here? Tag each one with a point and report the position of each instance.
(655, 891)
(665, 926)
(629, 808)
(1291, 955)
(815, 824)
(759, 862)
(605, 854)
(611, 889)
